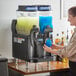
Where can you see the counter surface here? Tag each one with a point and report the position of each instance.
(41, 67)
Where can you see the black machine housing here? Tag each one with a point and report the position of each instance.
(30, 47)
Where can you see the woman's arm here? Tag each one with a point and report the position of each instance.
(56, 46)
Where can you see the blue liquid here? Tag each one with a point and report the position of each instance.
(44, 22)
(48, 43)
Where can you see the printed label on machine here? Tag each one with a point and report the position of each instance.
(18, 40)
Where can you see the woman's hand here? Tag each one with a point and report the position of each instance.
(47, 49)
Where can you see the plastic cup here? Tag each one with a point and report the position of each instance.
(49, 42)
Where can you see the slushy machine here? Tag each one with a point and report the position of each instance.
(29, 34)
